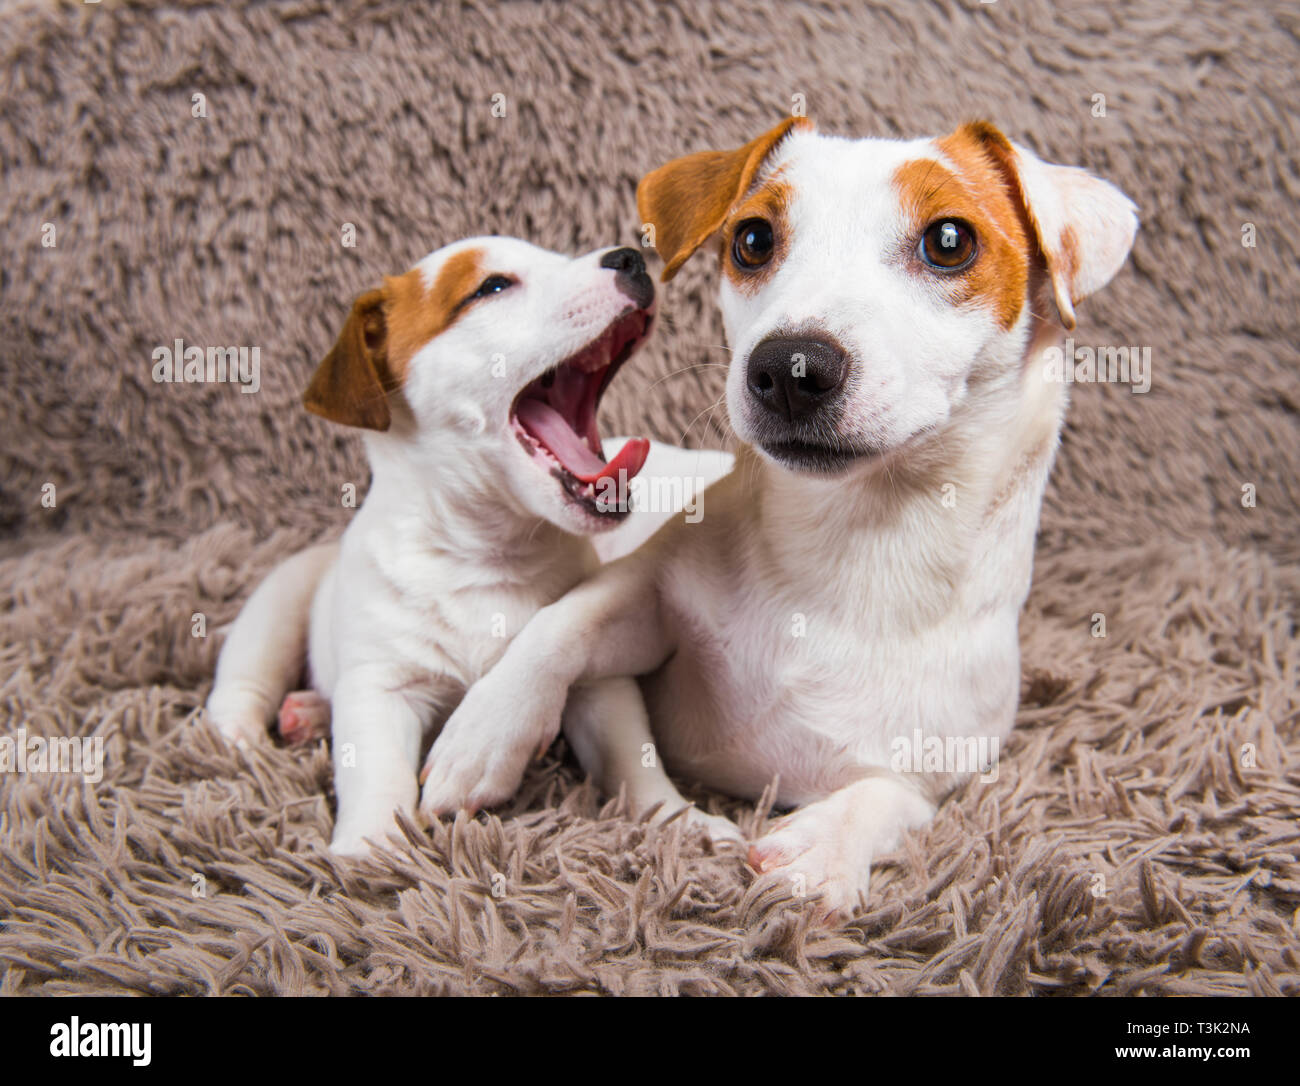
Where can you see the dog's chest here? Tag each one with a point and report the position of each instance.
(766, 683)
(452, 618)
(463, 632)
(757, 690)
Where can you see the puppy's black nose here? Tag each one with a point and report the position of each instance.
(794, 377)
(624, 260)
(630, 275)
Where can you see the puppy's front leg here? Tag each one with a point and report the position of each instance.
(376, 751)
(609, 626)
(606, 724)
(827, 847)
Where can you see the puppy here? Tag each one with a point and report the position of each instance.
(476, 377)
(855, 584)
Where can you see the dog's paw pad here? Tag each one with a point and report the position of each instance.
(304, 717)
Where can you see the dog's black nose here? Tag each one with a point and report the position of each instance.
(630, 275)
(624, 260)
(794, 377)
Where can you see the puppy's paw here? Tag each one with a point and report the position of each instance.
(357, 841)
(238, 719)
(350, 845)
(464, 772)
(304, 717)
(724, 834)
(811, 850)
(479, 759)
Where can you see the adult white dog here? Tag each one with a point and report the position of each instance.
(857, 580)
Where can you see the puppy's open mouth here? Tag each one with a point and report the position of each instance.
(554, 417)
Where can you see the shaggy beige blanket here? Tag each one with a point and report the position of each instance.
(1142, 835)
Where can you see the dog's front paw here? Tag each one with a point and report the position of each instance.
(724, 834)
(468, 775)
(356, 844)
(350, 845)
(361, 833)
(238, 717)
(811, 850)
(479, 759)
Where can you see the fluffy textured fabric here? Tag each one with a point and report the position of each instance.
(1142, 835)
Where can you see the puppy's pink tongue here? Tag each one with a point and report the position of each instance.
(550, 428)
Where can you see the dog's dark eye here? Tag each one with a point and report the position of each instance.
(493, 284)
(752, 245)
(947, 244)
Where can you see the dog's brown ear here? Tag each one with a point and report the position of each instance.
(687, 199)
(1084, 226)
(349, 386)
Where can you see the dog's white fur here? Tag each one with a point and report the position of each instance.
(462, 536)
(809, 620)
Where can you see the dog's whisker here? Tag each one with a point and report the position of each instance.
(536, 525)
(685, 369)
(697, 418)
(712, 412)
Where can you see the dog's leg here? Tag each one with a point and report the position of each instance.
(606, 724)
(827, 847)
(606, 627)
(376, 751)
(266, 648)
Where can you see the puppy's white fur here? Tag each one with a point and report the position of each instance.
(811, 619)
(465, 531)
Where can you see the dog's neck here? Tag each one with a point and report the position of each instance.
(462, 511)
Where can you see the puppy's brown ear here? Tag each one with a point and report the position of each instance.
(687, 199)
(1084, 226)
(350, 386)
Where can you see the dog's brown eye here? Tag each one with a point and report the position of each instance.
(947, 244)
(752, 244)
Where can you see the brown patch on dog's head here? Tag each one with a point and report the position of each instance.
(1080, 228)
(687, 199)
(976, 189)
(417, 313)
(383, 332)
